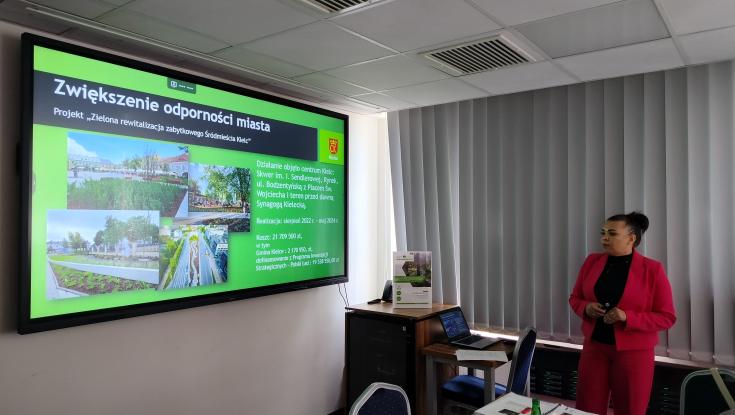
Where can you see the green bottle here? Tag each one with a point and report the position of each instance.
(535, 407)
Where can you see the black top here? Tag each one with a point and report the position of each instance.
(608, 290)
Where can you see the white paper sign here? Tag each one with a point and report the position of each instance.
(497, 356)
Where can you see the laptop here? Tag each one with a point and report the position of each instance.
(458, 331)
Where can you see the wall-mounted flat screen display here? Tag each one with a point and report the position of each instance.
(146, 190)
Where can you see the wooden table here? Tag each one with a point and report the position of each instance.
(446, 354)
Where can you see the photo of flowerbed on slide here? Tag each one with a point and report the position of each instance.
(106, 172)
(92, 252)
(193, 256)
(219, 195)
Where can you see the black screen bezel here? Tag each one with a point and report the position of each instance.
(26, 324)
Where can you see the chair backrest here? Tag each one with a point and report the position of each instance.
(520, 366)
(381, 399)
(700, 394)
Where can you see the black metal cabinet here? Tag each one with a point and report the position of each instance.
(384, 344)
(379, 349)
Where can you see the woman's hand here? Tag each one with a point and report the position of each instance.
(594, 310)
(615, 315)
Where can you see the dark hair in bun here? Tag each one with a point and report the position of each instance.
(636, 221)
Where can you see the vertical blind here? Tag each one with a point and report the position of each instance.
(509, 194)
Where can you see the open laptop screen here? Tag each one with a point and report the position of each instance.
(454, 324)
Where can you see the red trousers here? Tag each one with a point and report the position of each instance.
(628, 374)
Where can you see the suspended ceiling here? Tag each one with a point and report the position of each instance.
(369, 58)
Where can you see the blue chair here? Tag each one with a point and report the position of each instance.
(381, 399)
(700, 394)
(468, 391)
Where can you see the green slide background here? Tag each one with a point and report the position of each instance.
(49, 166)
(73, 66)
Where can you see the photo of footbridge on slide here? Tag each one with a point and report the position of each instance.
(193, 256)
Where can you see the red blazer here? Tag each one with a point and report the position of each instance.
(646, 300)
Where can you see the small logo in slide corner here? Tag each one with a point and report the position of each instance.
(333, 148)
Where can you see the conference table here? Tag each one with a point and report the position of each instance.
(443, 353)
(511, 403)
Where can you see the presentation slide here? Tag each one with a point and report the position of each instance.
(147, 188)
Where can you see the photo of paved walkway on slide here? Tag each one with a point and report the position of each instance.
(92, 252)
(107, 172)
(193, 256)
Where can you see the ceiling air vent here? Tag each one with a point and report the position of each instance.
(334, 6)
(478, 56)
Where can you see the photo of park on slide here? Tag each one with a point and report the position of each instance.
(106, 172)
(219, 195)
(92, 252)
(193, 256)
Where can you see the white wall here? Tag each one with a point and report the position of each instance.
(370, 212)
(282, 354)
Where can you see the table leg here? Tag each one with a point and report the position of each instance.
(430, 386)
(489, 385)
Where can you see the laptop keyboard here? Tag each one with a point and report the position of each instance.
(473, 338)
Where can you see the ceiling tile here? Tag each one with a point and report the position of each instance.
(331, 83)
(242, 56)
(626, 60)
(360, 108)
(16, 12)
(410, 24)
(392, 72)
(618, 24)
(520, 78)
(385, 101)
(520, 11)
(710, 46)
(159, 30)
(689, 16)
(126, 47)
(318, 46)
(288, 89)
(88, 9)
(209, 69)
(234, 21)
(440, 92)
(342, 104)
